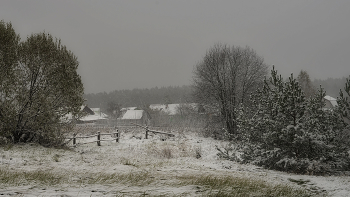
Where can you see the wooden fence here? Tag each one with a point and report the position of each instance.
(115, 136)
(153, 131)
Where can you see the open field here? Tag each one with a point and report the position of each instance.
(186, 165)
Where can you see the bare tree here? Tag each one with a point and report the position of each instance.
(225, 78)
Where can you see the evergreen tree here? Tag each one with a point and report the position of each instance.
(291, 133)
(344, 101)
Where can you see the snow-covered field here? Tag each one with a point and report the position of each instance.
(136, 167)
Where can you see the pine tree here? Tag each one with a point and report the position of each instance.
(279, 103)
(343, 100)
(292, 133)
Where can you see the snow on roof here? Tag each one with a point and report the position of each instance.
(92, 118)
(332, 100)
(132, 114)
(98, 115)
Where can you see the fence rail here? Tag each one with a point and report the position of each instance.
(114, 135)
(153, 131)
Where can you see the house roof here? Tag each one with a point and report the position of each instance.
(132, 115)
(98, 112)
(332, 100)
(86, 109)
(93, 114)
(92, 118)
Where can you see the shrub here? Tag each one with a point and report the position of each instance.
(39, 87)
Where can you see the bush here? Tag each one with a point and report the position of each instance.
(39, 87)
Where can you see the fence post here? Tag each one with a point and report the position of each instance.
(146, 132)
(98, 139)
(74, 139)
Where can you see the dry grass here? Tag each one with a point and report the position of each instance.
(42, 177)
(10, 177)
(210, 185)
(241, 186)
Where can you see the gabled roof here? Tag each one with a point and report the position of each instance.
(93, 114)
(132, 115)
(332, 100)
(86, 109)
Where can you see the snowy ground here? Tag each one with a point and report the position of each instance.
(161, 161)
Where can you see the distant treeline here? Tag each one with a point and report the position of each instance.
(331, 86)
(141, 97)
(178, 94)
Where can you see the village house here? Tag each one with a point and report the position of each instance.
(130, 116)
(92, 116)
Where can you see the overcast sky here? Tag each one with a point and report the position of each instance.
(143, 44)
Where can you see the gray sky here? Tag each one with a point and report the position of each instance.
(142, 44)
